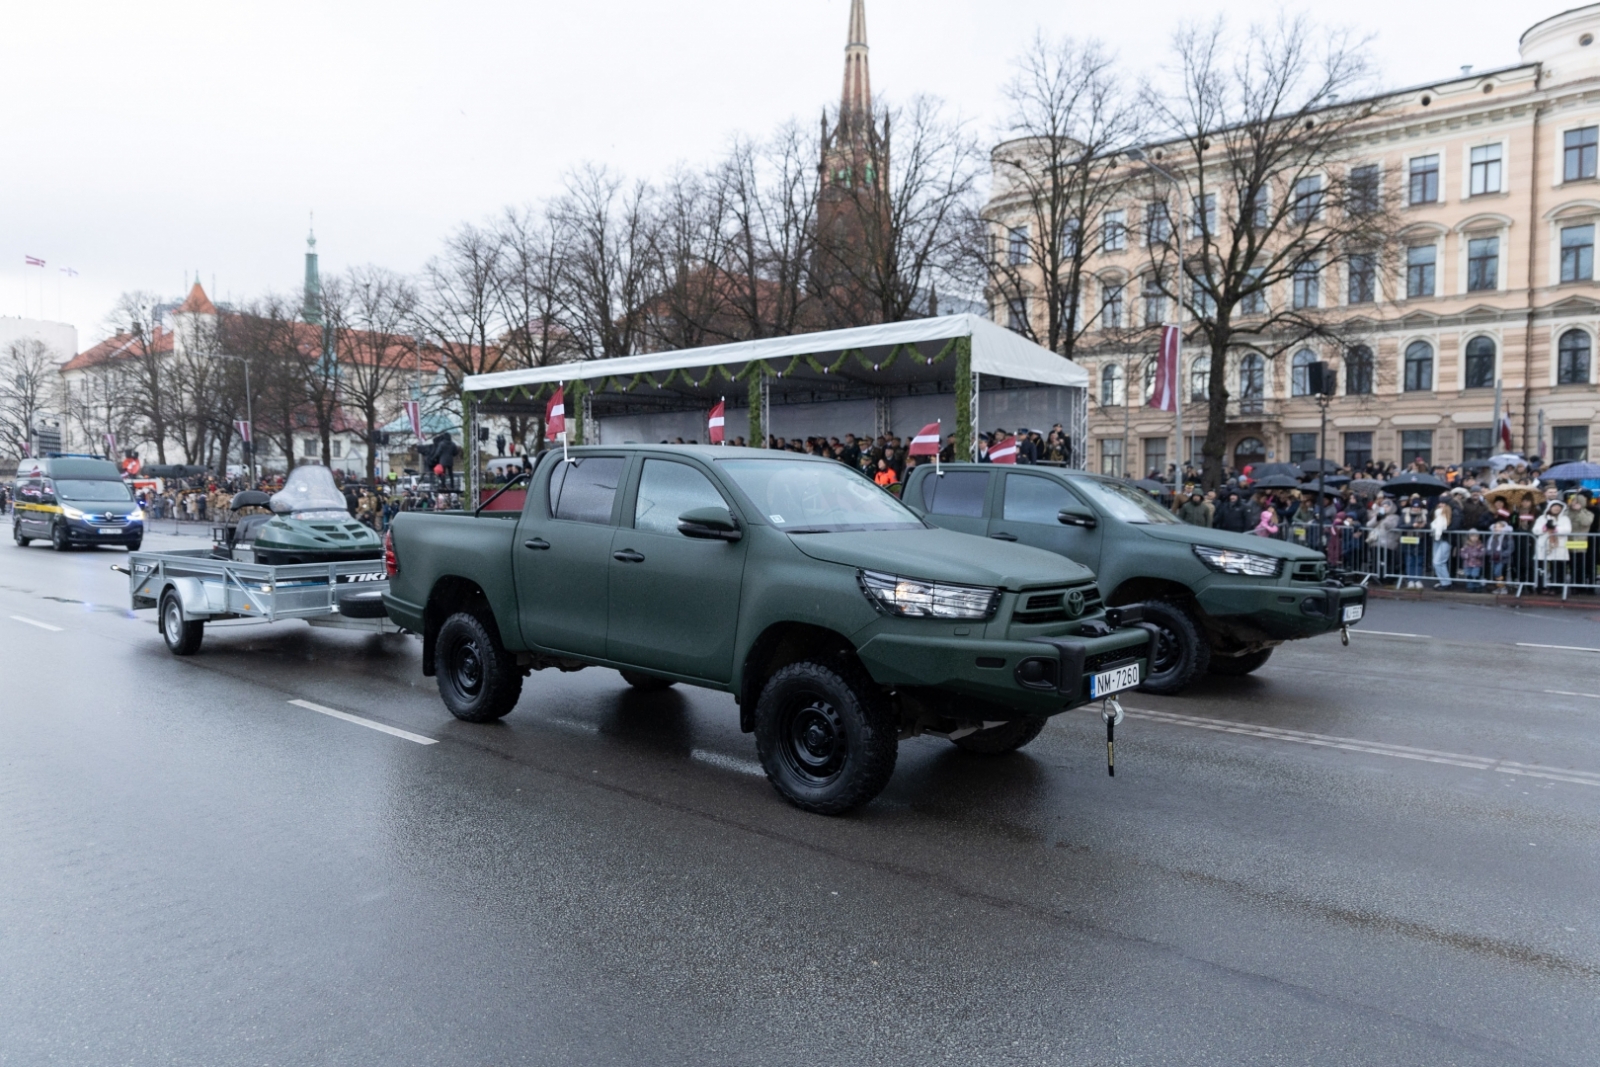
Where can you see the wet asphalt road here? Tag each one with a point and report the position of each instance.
(1384, 854)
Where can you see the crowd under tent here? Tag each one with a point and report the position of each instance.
(961, 370)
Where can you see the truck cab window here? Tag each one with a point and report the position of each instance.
(1030, 498)
(667, 490)
(956, 493)
(583, 490)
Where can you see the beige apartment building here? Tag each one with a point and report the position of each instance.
(1494, 282)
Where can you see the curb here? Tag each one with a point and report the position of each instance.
(1577, 602)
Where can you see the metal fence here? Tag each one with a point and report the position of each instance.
(1475, 561)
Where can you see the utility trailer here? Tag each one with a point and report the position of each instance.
(193, 587)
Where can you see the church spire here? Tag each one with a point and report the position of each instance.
(855, 106)
(311, 307)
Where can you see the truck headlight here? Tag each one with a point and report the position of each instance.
(1231, 561)
(914, 598)
(71, 513)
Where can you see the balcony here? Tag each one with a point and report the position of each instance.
(1252, 409)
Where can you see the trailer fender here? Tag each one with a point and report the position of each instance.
(193, 596)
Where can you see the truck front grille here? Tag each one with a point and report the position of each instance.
(1309, 571)
(1055, 605)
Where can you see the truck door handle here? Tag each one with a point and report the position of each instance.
(537, 542)
(1003, 536)
(628, 555)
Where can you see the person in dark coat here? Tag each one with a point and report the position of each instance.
(1234, 515)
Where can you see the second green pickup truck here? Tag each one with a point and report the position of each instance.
(840, 621)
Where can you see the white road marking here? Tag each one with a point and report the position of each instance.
(1374, 748)
(1564, 648)
(368, 723)
(36, 622)
(1388, 633)
(573, 724)
(728, 763)
(1565, 693)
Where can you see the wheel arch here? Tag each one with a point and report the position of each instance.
(779, 645)
(1143, 587)
(450, 594)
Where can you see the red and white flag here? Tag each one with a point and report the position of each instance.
(716, 422)
(32, 261)
(1505, 430)
(1165, 394)
(926, 443)
(243, 426)
(111, 444)
(555, 415)
(413, 411)
(1003, 450)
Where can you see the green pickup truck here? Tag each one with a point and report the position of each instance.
(1221, 601)
(839, 620)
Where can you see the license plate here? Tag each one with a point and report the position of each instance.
(110, 531)
(1353, 612)
(1113, 681)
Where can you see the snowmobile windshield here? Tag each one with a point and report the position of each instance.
(310, 489)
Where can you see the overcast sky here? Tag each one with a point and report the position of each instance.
(144, 142)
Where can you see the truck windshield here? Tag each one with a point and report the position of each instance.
(1125, 502)
(800, 496)
(97, 490)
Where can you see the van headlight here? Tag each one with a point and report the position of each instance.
(71, 513)
(914, 598)
(1231, 561)
(136, 515)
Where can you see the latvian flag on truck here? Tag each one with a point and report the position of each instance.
(716, 422)
(1004, 450)
(926, 443)
(555, 415)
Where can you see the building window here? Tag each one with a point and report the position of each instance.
(1300, 375)
(1569, 444)
(1308, 199)
(1302, 447)
(1363, 198)
(1252, 383)
(1111, 305)
(1477, 444)
(1260, 215)
(1363, 278)
(1419, 367)
(1357, 449)
(1204, 215)
(1480, 363)
(1306, 284)
(1577, 253)
(1483, 264)
(1201, 300)
(1155, 456)
(1017, 246)
(1578, 153)
(1358, 371)
(1069, 237)
(1114, 231)
(1572, 358)
(1425, 180)
(1248, 451)
(1420, 261)
(336, 448)
(1200, 379)
(1111, 457)
(1485, 170)
(1017, 313)
(308, 446)
(1254, 300)
(1157, 222)
(1113, 386)
(1415, 445)
(1155, 302)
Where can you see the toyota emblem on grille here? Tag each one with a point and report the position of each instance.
(1074, 603)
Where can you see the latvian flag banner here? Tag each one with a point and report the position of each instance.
(243, 426)
(32, 261)
(926, 443)
(1003, 450)
(1505, 430)
(716, 422)
(414, 414)
(1165, 393)
(555, 415)
(111, 444)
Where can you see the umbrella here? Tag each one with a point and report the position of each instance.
(1267, 470)
(1504, 460)
(1412, 482)
(1330, 483)
(1365, 486)
(1276, 481)
(1475, 465)
(1574, 472)
(1312, 466)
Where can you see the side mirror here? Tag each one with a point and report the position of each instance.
(1077, 516)
(710, 524)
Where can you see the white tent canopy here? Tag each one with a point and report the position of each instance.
(995, 351)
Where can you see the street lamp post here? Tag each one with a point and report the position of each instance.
(249, 415)
(1138, 156)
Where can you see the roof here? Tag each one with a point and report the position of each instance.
(197, 303)
(122, 346)
(995, 351)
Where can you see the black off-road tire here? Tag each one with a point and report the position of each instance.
(478, 679)
(1181, 654)
(16, 535)
(59, 539)
(826, 736)
(1239, 666)
(646, 683)
(183, 636)
(998, 740)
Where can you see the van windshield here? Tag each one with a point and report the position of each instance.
(103, 491)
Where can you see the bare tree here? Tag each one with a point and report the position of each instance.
(459, 314)
(29, 375)
(1070, 115)
(1274, 196)
(137, 319)
(528, 283)
(369, 312)
(769, 196)
(194, 376)
(607, 235)
(269, 334)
